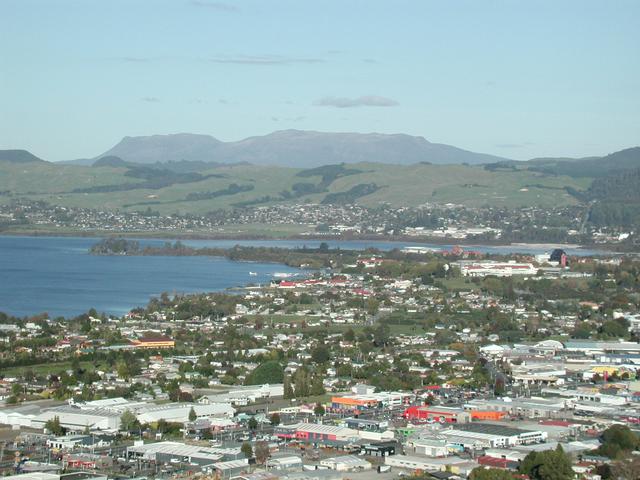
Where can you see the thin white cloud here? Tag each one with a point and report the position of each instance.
(364, 101)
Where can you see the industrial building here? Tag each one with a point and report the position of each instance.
(77, 420)
(437, 414)
(474, 436)
(346, 463)
(179, 412)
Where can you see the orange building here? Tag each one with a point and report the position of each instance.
(154, 342)
(353, 403)
(486, 415)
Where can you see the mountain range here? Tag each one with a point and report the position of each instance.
(291, 148)
(191, 182)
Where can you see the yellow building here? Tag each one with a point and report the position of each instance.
(154, 342)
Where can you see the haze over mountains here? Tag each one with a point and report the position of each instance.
(292, 148)
(118, 180)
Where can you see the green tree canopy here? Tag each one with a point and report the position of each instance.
(618, 440)
(53, 425)
(481, 473)
(252, 423)
(267, 372)
(275, 419)
(246, 450)
(547, 465)
(128, 421)
(320, 354)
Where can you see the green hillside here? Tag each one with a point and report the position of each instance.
(133, 187)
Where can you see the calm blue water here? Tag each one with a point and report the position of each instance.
(58, 276)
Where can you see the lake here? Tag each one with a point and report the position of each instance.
(57, 275)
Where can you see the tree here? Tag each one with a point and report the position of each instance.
(481, 473)
(318, 410)
(53, 425)
(381, 335)
(252, 424)
(267, 372)
(618, 440)
(192, 415)
(349, 335)
(275, 419)
(320, 354)
(162, 426)
(262, 452)
(301, 382)
(246, 450)
(626, 469)
(288, 389)
(317, 386)
(123, 370)
(547, 465)
(128, 421)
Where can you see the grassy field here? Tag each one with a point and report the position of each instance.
(408, 185)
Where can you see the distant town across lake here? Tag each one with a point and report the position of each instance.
(57, 275)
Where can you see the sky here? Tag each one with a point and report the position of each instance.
(518, 79)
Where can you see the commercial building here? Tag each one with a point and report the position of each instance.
(527, 408)
(179, 412)
(497, 269)
(428, 446)
(360, 402)
(288, 463)
(231, 468)
(164, 452)
(155, 342)
(346, 463)
(328, 434)
(437, 414)
(245, 395)
(77, 420)
(474, 436)
(454, 465)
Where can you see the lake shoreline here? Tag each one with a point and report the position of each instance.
(155, 235)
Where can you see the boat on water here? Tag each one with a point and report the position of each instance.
(253, 274)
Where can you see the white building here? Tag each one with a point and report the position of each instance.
(497, 269)
(346, 463)
(484, 435)
(77, 420)
(179, 412)
(428, 446)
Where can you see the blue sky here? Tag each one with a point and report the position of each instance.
(513, 78)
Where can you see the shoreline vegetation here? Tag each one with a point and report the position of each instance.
(305, 258)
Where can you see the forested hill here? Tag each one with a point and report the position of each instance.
(619, 187)
(616, 199)
(590, 167)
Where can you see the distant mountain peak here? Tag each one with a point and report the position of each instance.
(18, 156)
(111, 161)
(294, 148)
(164, 148)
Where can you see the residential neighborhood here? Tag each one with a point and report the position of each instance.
(415, 363)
